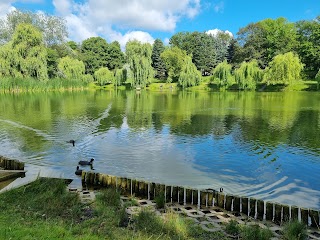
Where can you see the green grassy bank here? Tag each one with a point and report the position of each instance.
(34, 85)
(45, 210)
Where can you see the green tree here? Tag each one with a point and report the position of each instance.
(174, 58)
(248, 74)
(200, 46)
(222, 75)
(73, 45)
(52, 62)
(157, 63)
(309, 44)
(53, 28)
(139, 58)
(189, 75)
(115, 57)
(283, 69)
(6, 60)
(120, 77)
(221, 43)
(24, 56)
(104, 76)
(266, 39)
(94, 54)
(71, 68)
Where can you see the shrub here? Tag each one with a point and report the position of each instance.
(294, 230)
(254, 232)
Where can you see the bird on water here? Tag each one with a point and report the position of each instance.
(72, 142)
(86, 162)
(78, 171)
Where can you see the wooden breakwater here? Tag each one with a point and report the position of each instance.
(10, 169)
(11, 164)
(255, 208)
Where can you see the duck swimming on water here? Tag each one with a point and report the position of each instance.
(78, 171)
(72, 141)
(86, 162)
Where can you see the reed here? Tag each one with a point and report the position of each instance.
(34, 85)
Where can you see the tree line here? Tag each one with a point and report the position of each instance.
(268, 52)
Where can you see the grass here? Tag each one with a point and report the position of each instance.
(254, 232)
(171, 226)
(294, 230)
(160, 200)
(233, 228)
(44, 209)
(34, 85)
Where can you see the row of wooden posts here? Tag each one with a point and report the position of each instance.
(10, 164)
(204, 198)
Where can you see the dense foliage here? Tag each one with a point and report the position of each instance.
(248, 74)
(283, 69)
(271, 51)
(157, 63)
(139, 59)
(25, 55)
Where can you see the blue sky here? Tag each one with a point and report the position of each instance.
(146, 20)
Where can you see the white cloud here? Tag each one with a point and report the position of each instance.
(132, 35)
(119, 20)
(5, 8)
(122, 20)
(219, 7)
(215, 31)
(63, 7)
(166, 41)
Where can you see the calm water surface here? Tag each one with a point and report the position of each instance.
(264, 145)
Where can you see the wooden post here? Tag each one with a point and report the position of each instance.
(168, 194)
(294, 213)
(210, 198)
(189, 196)
(252, 210)
(220, 201)
(203, 198)
(286, 213)
(236, 204)
(152, 190)
(260, 209)
(314, 215)
(244, 203)
(277, 215)
(304, 215)
(175, 194)
(229, 199)
(269, 211)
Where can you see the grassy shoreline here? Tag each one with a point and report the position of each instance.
(14, 85)
(45, 209)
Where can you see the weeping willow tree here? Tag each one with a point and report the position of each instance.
(222, 75)
(120, 77)
(104, 76)
(283, 69)
(189, 75)
(73, 69)
(248, 75)
(139, 58)
(25, 56)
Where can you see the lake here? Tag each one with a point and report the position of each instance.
(262, 145)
